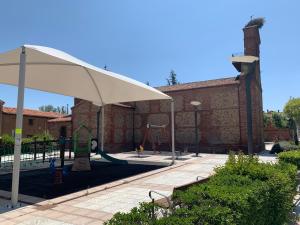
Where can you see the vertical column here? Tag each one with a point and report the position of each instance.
(102, 127)
(18, 131)
(173, 131)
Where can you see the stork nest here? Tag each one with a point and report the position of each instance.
(259, 22)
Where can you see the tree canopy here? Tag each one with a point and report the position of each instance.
(172, 79)
(51, 108)
(276, 119)
(292, 109)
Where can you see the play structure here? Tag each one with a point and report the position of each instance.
(82, 148)
(153, 134)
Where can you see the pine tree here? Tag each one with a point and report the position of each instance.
(172, 80)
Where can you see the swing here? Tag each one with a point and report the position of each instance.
(152, 137)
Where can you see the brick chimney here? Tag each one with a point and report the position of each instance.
(251, 40)
(1, 109)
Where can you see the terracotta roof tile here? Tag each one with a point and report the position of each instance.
(31, 112)
(61, 119)
(199, 84)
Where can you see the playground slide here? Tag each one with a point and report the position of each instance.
(112, 159)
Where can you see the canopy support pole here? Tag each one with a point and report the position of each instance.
(97, 131)
(172, 131)
(102, 128)
(18, 131)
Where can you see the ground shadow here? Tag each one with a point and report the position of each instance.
(40, 182)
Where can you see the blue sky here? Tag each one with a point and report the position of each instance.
(146, 39)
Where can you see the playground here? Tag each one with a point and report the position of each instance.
(41, 183)
(51, 169)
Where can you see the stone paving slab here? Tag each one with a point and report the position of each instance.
(43, 221)
(121, 200)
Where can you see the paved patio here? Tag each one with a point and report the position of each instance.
(98, 204)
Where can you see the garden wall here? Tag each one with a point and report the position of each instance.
(284, 134)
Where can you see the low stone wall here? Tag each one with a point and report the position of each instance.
(271, 133)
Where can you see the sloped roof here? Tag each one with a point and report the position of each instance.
(31, 112)
(199, 84)
(61, 119)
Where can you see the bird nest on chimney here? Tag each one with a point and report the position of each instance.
(259, 22)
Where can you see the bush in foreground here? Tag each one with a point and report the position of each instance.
(292, 157)
(243, 192)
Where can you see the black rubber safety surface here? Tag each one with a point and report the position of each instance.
(40, 183)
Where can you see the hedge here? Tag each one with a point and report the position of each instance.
(292, 157)
(284, 146)
(243, 192)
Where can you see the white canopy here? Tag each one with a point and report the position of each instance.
(51, 70)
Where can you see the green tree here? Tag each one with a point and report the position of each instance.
(47, 108)
(267, 120)
(172, 80)
(279, 120)
(61, 109)
(292, 110)
(51, 108)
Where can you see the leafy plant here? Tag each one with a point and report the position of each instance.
(292, 110)
(7, 139)
(44, 136)
(280, 120)
(292, 157)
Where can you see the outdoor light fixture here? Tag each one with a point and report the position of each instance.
(196, 104)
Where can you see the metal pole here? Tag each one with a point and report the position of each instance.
(18, 131)
(98, 131)
(172, 131)
(196, 132)
(102, 128)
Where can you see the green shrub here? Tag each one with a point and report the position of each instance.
(7, 139)
(41, 137)
(284, 146)
(243, 192)
(138, 215)
(288, 145)
(292, 157)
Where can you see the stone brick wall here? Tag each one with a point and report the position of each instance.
(218, 118)
(118, 127)
(9, 123)
(270, 133)
(55, 127)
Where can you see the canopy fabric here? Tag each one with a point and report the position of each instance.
(51, 70)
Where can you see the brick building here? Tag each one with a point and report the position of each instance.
(34, 122)
(222, 116)
(61, 126)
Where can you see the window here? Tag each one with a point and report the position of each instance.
(30, 122)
